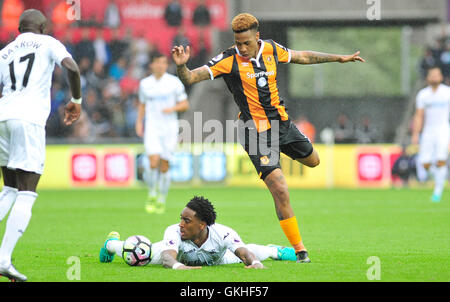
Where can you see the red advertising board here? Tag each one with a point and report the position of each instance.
(84, 168)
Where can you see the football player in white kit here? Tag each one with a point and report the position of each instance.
(161, 96)
(431, 123)
(198, 241)
(26, 67)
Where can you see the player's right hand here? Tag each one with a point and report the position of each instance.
(180, 55)
(72, 113)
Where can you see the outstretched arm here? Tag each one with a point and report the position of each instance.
(248, 258)
(188, 77)
(169, 259)
(314, 57)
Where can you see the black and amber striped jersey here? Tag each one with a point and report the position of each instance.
(253, 82)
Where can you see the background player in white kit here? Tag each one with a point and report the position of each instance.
(197, 240)
(431, 123)
(162, 96)
(26, 67)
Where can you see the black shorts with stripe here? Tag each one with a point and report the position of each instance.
(264, 148)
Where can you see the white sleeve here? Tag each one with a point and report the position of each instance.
(58, 51)
(232, 240)
(180, 91)
(420, 102)
(141, 94)
(172, 238)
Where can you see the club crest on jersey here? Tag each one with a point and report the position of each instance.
(262, 82)
(264, 160)
(269, 60)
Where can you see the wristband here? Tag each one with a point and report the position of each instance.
(76, 101)
(177, 265)
(256, 261)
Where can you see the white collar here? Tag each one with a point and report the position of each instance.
(258, 55)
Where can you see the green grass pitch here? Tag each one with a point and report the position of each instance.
(341, 228)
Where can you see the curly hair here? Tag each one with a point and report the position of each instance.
(244, 22)
(203, 209)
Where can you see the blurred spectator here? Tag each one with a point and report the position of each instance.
(306, 127)
(112, 15)
(201, 55)
(85, 48)
(404, 167)
(117, 46)
(131, 105)
(118, 69)
(445, 60)
(173, 13)
(84, 65)
(11, 11)
(100, 47)
(180, 38)
(83, 130)
(140, 49)
(344, 130)
(96, 77)
(366, 133)
(67, 40)
(201, 16)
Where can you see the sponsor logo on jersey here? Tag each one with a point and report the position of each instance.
(260, 74)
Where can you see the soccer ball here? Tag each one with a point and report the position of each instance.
(137, 250)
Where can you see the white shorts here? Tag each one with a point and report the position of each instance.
(433, 146)
(160, 143)
(22, 146)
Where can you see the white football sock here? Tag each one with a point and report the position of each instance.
(440, 177)
(263, 252)
(7, 198)
(115, 246)
(164, 185)
(151, 178)
(17, 223)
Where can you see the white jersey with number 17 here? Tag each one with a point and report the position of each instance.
(26, 68)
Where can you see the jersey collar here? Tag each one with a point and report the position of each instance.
(258, 56)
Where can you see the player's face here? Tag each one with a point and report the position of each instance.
(247, 43)
(434, 77)
(190, 225)
(159, 66)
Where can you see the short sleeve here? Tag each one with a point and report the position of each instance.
(180, 92)
(232, 240)
(220, 65)
(283, 53)
(172, 238)
(141, 95)
(420, 101)
(58, 51)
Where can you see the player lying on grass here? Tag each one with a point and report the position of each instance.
(197, 240)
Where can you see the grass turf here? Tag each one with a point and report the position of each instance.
(341, 228)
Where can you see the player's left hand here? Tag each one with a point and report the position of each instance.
(255, 266)
(72, 113)
(351, 58)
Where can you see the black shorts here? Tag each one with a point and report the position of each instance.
(264, 148)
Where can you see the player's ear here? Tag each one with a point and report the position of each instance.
(257, 35)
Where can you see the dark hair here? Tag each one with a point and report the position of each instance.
(203, 209)
(433, 67)
(156, 55)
